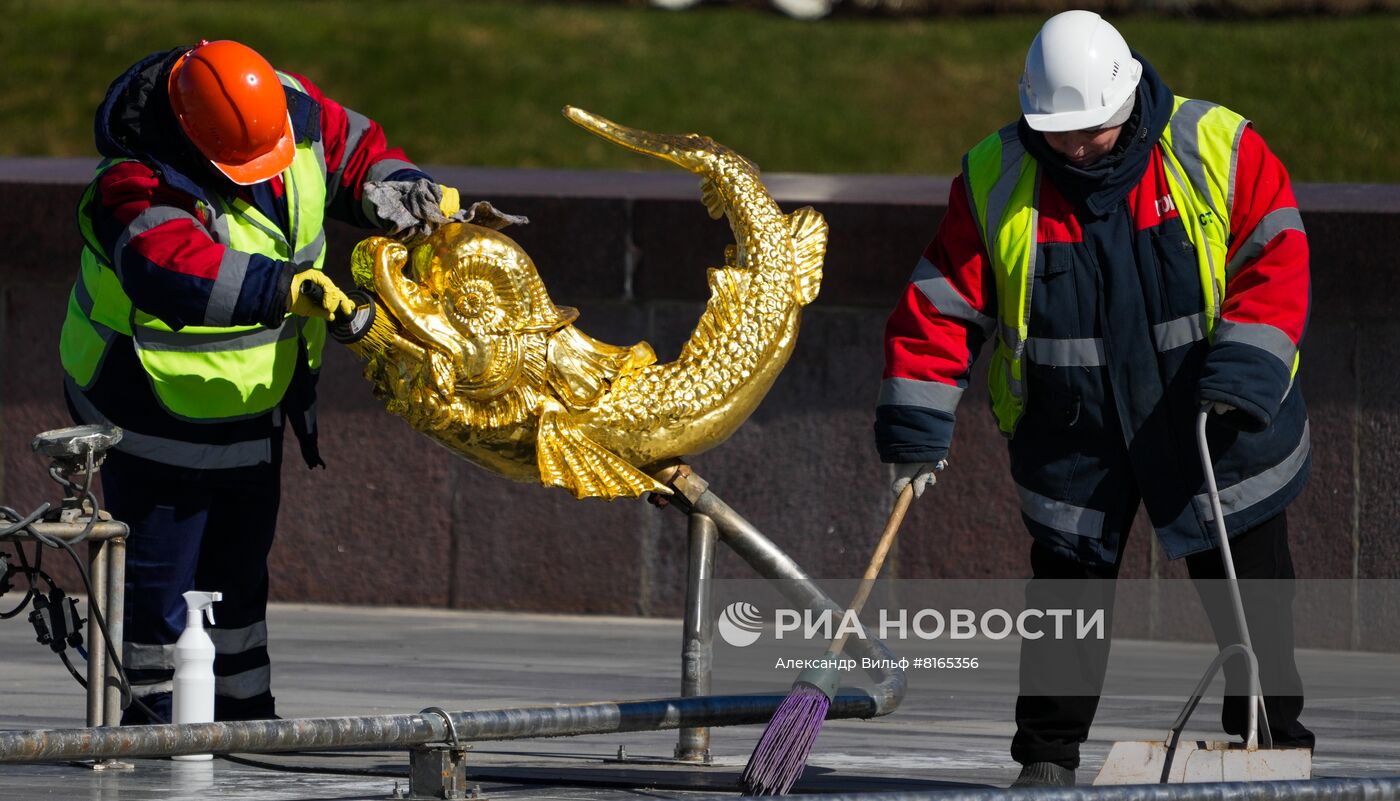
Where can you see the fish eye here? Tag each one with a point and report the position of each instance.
(474, 299)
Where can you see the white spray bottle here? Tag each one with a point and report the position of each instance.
(193, 700)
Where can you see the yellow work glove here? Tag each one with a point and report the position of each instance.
(451, 202)
(314, 294)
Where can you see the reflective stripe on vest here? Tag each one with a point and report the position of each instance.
(207, 373)
(194, 455)
(1200, 149)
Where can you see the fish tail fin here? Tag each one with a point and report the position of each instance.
(567, 458)
(809, 234)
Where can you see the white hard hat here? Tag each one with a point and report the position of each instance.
(1078, 73)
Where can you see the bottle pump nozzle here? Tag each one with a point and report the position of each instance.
(198, 602)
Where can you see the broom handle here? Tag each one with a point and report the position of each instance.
(877, 560)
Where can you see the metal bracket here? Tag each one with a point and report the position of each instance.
(440, 770)
(437, 771)
(452, 739)
(678, 476)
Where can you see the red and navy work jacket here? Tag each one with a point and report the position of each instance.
(1115, 372)
(150, 216)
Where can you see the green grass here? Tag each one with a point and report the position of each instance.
(481, 82)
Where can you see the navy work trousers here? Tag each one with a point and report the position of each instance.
(208, 530)
(1050, 727)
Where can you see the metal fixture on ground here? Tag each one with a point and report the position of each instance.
(79, 450)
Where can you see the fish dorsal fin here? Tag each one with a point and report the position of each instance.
(713, 200)
(729, 286)
(568, 458)
(809, 242)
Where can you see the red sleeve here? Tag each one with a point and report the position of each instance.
(948, 307)
(1268, 257)
(159, 246)
(931, 338)
(356, 151)
(1264, 313)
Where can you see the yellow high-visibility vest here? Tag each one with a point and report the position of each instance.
(1200, 147)
(207, 373)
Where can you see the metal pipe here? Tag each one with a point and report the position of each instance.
(402, 731)
(697, 657)
(101, 530)
(262, 736)
(772, 563)
(98, 557)
(1369, 789)
(114, 612)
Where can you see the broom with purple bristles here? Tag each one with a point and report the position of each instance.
(782, 751)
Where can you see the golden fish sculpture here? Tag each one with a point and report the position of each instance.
(466, 345)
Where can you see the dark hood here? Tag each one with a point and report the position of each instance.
(1102, 186)
(135, 121)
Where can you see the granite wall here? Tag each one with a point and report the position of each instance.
(398, 520)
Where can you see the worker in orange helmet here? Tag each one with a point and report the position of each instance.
(196, 324)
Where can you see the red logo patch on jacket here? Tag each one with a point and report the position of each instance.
(1151, 199)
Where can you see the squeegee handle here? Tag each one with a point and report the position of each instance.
(877, 560)
(1232, 582)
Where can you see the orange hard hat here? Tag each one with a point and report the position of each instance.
(232, 107)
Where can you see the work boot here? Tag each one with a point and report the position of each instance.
(1044, 774)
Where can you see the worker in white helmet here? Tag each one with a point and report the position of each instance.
(1133, 257)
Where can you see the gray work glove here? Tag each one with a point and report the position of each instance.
(488, 216)
(413, 209)
(405, 208)
(921, 474)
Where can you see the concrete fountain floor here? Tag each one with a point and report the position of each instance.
(332, 661)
